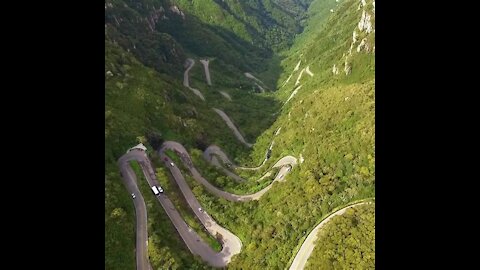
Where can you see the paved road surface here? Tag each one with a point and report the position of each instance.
(297, 66)
(299, 77)
(207, 71)
(260, 87)
(214, 161)
(130, 181)
(214, 150)
(232, 126)
(291, 74)
(226, 95)
(307, 246)
(308, 71)
(286, 81)
(231, 244)
(250, 76)
(182, 152)
(190, 62)
(293, 94)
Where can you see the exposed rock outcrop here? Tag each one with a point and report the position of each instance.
(177, 11)
(365, 23)
(335, 70)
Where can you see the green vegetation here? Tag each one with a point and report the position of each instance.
(269, 23)
(174, 193)
(329, 123)
(142, 104)
(219, 179)
(165, 246)
(119, 223)
(346, 242)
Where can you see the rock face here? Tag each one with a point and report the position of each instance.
(362, 45)
(365, 28)
(365, 23)
(335, 70)
(348, 68)
(154, 16)
(177, 11)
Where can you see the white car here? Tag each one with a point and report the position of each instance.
(200, 209)
(171, 164)
(156, 190)
(133, 196)
(160, 189)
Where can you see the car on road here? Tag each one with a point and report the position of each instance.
(156, 190)
(281, 175)
(200, 209)
(133, 196)
(160, 189)
(171, 164)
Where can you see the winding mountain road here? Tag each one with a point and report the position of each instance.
(130, 181)
(285, 163)
(250, 76)
(231, 244)
(190, 63)
(309, 72)
(232, 127)
(213, 151)
(226, 95)
(299, 77)
(205, 63)
(293, 94)
(260, 87)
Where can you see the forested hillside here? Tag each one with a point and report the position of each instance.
(316, 58)
(347, 242)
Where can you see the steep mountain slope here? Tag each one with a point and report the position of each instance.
(143, 105)
(347, 242)
(146, 46)
(322, 112)
(327, 121)
(239, 34)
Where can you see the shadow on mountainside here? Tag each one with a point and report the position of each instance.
(166, 49)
